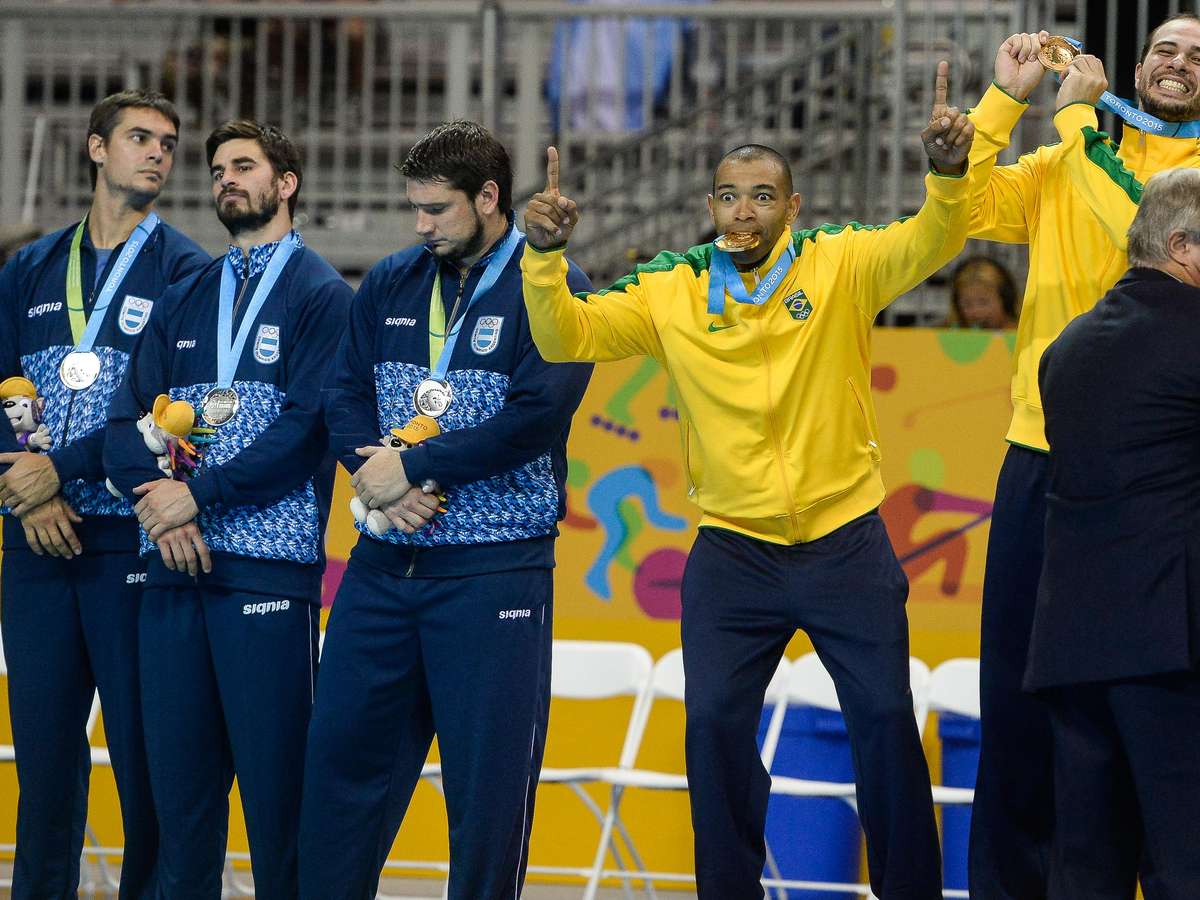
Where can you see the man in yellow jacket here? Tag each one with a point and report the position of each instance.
(1072, 203)
(768, 352)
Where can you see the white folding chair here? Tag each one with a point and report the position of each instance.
(600, 670)
(668, 684)
(809, 684)
(954, 688)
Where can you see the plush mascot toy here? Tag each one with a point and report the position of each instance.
(166, 429)
(418, 430)
(24, 409)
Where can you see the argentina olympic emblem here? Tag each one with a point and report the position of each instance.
(266, 344)
(486, 336)
(135, 313)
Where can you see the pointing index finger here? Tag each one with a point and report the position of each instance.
(552, 169)
(941, 84)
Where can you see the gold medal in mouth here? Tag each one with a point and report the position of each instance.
(1056, 54)
(737, 241)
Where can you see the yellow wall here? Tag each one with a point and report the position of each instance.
(942, 401)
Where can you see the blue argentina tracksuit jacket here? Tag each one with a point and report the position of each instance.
(502, 455)
(35, 335)
(70, 626)
(267, 479)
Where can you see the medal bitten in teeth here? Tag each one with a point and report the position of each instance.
(737, 241)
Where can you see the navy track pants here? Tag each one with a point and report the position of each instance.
(1012, 821)
(71, 627)
(467, 658)
(227, 688)
(743, 600)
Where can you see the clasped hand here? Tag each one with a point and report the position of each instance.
(381, 483)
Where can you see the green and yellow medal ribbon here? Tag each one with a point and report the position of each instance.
(75, 311)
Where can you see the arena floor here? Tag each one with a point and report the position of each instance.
(417, 890)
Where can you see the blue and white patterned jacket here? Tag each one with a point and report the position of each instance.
(267, 479)
(35, 335)
(501, 457)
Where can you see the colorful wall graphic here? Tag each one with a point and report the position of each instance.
(942, 403)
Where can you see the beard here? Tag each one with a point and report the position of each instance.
(1181, 110)
(472, 245)
(239, 221)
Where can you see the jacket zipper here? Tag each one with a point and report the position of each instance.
(773, 432)
(462, 283)
(238, 303)
(462, 286)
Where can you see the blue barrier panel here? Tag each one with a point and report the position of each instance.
(960, 760)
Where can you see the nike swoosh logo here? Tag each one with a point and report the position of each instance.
(713, 327)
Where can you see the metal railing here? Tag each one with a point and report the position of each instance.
(646, 97)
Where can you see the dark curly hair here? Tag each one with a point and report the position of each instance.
(465, 155)
(281, 152)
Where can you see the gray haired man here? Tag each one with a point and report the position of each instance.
(1116, 634)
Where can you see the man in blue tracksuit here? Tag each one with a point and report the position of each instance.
(442, 627)
(229, 617)
(72, 306)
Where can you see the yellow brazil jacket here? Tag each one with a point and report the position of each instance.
(1072, 203)
(775, 413)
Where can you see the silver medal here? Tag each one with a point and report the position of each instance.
(433, 397)
(79, 369)
(219, 406)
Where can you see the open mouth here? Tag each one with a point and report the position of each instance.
(1174, 86)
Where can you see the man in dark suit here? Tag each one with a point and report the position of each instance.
(1116, 636)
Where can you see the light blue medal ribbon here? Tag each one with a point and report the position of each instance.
(1140, 119)
(81, 367)
(723, 277)
(433, 395)
(221, 403)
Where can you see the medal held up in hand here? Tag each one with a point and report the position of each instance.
(1056, 54)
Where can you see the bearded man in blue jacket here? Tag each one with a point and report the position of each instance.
(229, 619)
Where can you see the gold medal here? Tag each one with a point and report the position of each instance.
(737, 241)
(1056, 54)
